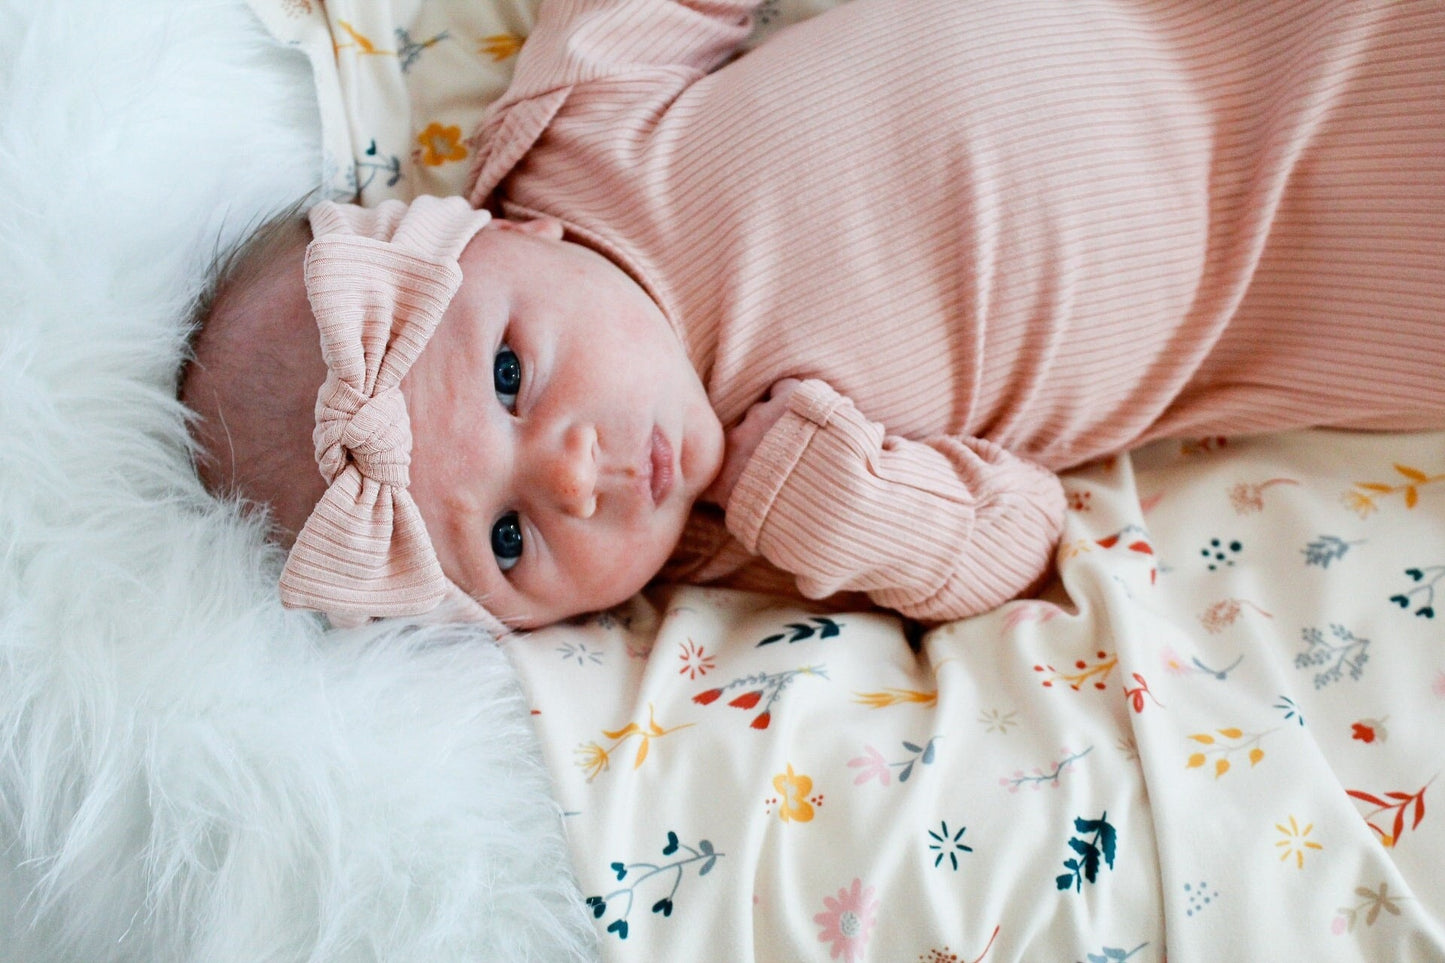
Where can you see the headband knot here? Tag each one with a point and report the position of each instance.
(379, 282)
(372, 433)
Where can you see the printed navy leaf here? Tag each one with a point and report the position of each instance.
(1108, 840)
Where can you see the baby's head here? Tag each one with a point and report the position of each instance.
(500, 411)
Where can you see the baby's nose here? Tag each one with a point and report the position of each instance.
(571, 473)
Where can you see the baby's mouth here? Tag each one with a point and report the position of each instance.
(661, 465)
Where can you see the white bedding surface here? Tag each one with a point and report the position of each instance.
(188, 772)
(1240, 674)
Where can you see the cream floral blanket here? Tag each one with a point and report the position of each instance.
(1218, 737)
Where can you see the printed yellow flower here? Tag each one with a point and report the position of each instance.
(500, 46)
(1362, 498)
(893, 697)
(1296, 841)
(1359, 502)
(592, 759)
(440, 144)
(793, 788)
(1234, 740)
(360, 41)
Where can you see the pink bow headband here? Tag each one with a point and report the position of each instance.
(379, 281)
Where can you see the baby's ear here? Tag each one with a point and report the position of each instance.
(545, 227)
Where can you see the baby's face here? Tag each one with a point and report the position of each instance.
(561, 435)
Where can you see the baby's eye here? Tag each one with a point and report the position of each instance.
(507, 540)
(507, 376)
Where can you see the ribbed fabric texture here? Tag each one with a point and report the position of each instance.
(379, 282)
(1066, 226)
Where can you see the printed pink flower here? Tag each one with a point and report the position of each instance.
(1174, 663)
(1030, 611)
(848, 922)
(873, 765)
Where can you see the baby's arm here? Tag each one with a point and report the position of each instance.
(597, 39)
(936, 529)
(602, 63)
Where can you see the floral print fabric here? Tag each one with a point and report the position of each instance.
(1216, 736)
(402, 84)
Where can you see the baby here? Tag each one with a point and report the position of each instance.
(828, 316)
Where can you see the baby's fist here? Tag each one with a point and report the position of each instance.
(744, 437)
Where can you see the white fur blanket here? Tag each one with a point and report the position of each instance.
(186, 771)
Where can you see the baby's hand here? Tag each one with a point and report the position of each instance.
(744, 437)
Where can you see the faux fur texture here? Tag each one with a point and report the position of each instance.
(188, 772)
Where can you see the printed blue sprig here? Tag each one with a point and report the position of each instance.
(921, 755)
(1347, 652)
(823, 628)
(1326, 549)
(635, 874)
(1041, 778)
(1114, 954)
(1096, 841)
(1422, 594)
(389, 165)
(409, 51)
